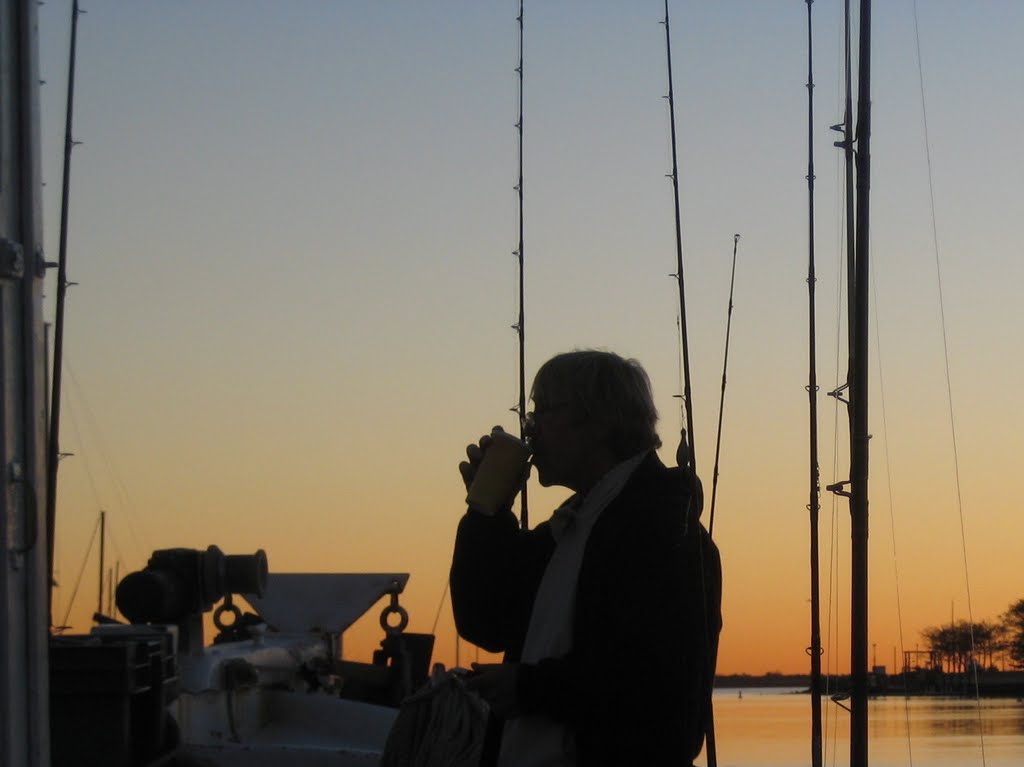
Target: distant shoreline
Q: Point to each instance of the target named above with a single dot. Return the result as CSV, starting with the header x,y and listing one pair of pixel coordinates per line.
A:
x,y
988,684
732,681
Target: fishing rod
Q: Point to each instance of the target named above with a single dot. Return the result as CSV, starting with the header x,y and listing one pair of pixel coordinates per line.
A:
x,y
721,402
709,722
674,175
814,503
53,456
520,326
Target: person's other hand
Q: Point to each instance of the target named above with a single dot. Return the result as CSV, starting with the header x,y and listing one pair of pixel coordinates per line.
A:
x,y
475,454
496,683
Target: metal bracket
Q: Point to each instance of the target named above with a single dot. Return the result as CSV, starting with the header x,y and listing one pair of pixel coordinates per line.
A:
x,y
838,699
838,393
394,609
837,488
16,475
12,259
42,264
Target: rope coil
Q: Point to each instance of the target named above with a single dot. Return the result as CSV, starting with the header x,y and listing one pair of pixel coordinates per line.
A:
x,y
441,725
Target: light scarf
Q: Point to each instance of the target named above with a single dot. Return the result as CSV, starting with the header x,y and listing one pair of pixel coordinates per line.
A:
x,y
532,741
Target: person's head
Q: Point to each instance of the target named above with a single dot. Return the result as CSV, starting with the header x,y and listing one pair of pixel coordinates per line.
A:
x,y
592,409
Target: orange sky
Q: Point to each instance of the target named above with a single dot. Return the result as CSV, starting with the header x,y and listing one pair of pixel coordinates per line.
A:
x,y
293,249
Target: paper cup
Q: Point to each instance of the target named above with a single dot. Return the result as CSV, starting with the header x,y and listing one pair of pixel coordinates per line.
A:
x,y
499,473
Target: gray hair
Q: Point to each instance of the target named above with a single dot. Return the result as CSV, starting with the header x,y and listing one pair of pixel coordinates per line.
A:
x,y
604,389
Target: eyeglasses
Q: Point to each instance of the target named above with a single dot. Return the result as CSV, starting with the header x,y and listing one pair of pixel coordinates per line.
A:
x,y
543,410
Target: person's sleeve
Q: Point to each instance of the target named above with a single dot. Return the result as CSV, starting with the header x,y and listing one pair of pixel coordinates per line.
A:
x,y
496,568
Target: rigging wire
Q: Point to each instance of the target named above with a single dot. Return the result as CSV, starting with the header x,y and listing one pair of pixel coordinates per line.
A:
x,y
833,564
85,458
849,236
139,536
892,520
81,572
831,611
945,352
440,605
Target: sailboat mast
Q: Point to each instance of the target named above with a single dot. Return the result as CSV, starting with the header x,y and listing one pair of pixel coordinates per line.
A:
x,y
111,602
814,505
53,447
520,326
103,552
859,409
687,398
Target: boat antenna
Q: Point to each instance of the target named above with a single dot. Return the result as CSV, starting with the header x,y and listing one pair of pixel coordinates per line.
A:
x,y
814,502
721,401
674,175
53,455
520,326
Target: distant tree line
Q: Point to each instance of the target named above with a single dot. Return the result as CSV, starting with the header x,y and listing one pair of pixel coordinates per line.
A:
x,y
959,645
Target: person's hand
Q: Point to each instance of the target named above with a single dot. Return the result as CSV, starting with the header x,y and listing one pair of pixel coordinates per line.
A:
x,y
496,683
488,499
475,454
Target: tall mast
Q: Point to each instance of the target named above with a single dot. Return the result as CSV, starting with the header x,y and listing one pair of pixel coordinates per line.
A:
x,y
684,339
857,229
813,504
103,552
53,447
520,326
859,409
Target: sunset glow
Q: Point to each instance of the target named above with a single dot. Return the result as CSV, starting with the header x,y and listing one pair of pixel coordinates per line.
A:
x,y
292,229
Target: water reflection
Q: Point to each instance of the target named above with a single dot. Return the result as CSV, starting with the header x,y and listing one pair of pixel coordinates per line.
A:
x,y
943,717
771,727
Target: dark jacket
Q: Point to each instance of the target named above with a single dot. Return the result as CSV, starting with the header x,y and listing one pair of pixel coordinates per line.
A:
x,y
636,686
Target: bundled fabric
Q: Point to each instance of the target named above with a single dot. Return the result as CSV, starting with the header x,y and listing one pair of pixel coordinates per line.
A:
x,y
441,725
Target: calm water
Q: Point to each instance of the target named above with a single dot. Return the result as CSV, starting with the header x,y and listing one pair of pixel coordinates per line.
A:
x,y
771,728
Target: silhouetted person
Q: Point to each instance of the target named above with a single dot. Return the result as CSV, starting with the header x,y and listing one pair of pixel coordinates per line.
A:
x,y
609,612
